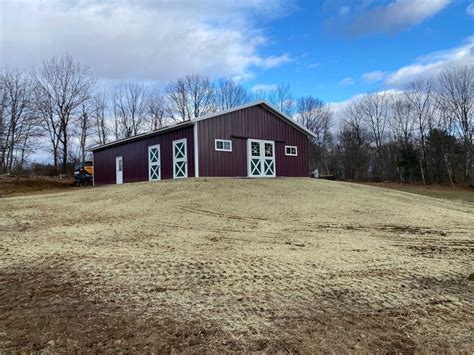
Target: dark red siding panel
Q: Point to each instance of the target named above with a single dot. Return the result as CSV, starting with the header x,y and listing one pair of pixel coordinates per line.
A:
x,y
135,157
252,122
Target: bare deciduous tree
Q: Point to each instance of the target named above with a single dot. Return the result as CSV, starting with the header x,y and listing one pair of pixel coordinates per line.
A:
x,y
230,94
18,122
315,115
64,86
3,105
402,121
44,110
83,128
420,96
99,117
354,143
130,108
190,97
156,108
456,97
282,98
374,110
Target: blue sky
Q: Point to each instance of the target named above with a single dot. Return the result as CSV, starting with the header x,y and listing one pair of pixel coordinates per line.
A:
x,y
324,53
332,49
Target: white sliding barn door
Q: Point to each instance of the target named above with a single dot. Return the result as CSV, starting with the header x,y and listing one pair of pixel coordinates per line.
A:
x,y
261,158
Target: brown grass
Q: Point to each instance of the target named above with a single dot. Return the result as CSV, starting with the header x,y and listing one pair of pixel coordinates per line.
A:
x,y
217,265
458,192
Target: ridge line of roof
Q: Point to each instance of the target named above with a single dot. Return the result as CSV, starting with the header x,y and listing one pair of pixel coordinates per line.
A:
x,y
205,117
256,103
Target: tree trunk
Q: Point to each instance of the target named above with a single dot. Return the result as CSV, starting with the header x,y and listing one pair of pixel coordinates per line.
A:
x,y
2,148
55,159
449,171
422,173
65,151
471,164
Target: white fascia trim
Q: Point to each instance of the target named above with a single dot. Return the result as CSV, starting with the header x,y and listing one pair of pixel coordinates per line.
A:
x,y
286,118
196,150
93,171
141,135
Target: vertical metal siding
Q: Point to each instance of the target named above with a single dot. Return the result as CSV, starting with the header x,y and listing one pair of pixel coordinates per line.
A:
x,y
252,122
135,157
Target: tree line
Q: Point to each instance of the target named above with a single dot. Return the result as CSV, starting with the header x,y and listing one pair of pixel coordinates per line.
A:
x,y
63,104
420,134
423,134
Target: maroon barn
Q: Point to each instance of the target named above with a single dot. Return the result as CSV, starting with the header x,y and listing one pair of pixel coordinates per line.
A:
x,y
253,140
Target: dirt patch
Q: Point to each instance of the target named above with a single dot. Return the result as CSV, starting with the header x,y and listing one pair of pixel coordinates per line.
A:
x,y
18,186
46,308
394,331
61,311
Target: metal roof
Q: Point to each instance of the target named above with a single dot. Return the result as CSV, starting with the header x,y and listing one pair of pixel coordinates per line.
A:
x,y
263,103
143,135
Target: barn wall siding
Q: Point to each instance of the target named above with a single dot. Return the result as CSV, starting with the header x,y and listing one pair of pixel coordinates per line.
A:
x,y
252,122
135,157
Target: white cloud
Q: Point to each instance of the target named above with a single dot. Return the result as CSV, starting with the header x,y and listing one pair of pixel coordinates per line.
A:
x,y
263,88
148,40
273,61
347,81
470,9
314,65
344,11
395,16
434,63
373,76
339,108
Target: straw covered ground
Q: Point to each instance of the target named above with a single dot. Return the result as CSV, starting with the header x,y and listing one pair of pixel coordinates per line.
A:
x,y
215,265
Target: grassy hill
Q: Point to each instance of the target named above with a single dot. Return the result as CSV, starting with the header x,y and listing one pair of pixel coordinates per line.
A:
x,y
236,265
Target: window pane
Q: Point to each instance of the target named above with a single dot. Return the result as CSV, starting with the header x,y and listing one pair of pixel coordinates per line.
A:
x,y
255,149
219,144
226,145
268,149
291,150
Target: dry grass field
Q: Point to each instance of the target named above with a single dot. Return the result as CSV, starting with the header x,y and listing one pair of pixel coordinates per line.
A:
x,y
219,265
462,193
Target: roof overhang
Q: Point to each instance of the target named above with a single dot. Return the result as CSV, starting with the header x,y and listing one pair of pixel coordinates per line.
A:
x,y
141,136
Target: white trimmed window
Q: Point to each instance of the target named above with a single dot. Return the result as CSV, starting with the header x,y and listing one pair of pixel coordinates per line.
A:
x,y
291,150
223,145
